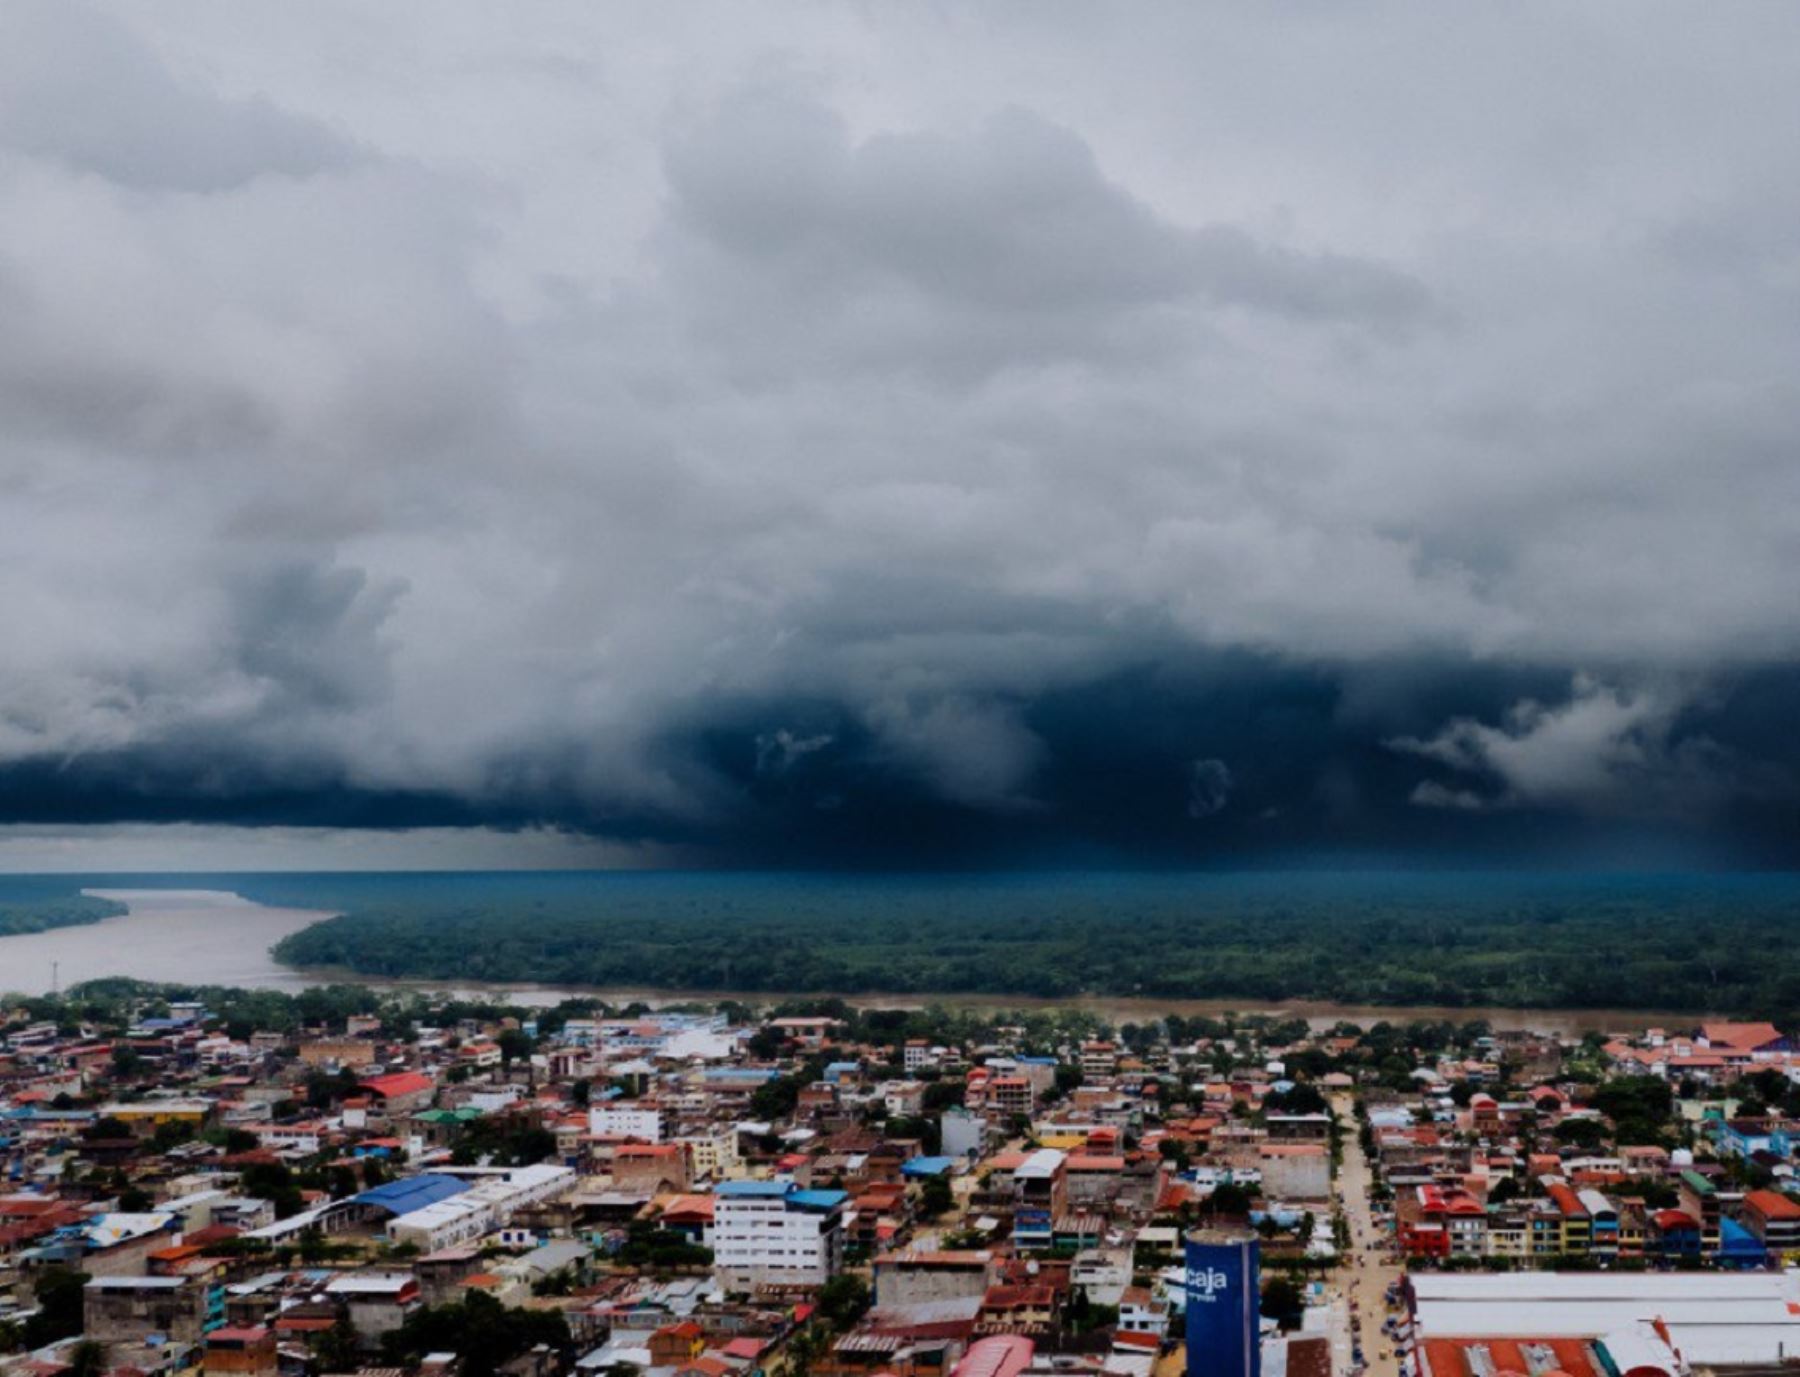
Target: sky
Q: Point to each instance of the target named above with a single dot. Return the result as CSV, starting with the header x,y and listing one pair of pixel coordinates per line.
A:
x,y
898,434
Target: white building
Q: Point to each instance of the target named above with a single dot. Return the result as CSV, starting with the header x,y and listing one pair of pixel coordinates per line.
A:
x,y
772,1233
481,1209
1713,1318
628,1121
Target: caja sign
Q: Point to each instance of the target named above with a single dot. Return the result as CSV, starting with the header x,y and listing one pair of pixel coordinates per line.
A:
x,y
1223,1300
1206,1284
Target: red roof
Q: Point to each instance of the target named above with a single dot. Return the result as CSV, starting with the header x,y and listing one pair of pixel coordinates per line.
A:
x,y
399,1083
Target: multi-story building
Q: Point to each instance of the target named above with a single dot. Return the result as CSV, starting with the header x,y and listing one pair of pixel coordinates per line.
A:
x,y
1010,1096
1700,1200
631,1120
775,1234
1040,1197
1774,1219
1603,1223
1099,1060
1577,1225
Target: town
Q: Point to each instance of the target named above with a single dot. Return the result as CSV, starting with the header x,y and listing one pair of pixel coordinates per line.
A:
x,y
343,1181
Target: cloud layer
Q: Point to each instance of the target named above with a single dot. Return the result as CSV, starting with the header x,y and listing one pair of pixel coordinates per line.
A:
x,y
900,435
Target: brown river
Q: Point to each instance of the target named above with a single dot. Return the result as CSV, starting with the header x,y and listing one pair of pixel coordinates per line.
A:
x,y
213,937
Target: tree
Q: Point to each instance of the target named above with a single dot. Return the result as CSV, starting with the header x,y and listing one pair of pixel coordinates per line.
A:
x,y
1586,1133
514,1044
936,1197
843,1299
1283,1301
59,1302
337,1349
484,1333
1228,1199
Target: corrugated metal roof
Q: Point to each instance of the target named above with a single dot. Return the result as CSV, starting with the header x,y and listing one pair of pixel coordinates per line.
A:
x,y
414,1193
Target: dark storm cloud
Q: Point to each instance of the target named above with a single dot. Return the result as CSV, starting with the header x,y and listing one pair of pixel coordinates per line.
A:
x,y
1225,435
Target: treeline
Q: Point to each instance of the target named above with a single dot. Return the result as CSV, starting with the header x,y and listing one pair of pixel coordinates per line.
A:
x,y
23,913
1533,942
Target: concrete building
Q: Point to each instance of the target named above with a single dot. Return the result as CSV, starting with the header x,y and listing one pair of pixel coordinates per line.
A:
x,y
127,1310
775,1234
375,1302
914,1277
1295,1171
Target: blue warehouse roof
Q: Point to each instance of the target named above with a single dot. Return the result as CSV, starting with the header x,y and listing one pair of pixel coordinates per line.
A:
x,y
414,1193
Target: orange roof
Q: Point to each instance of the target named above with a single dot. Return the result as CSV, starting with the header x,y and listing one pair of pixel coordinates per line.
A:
x,y
1773,1205
1095,1162
1450,1357
1741,1037
699,1205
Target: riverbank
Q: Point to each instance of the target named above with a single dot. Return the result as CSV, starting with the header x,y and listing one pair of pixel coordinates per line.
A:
x,y
216,937
192,936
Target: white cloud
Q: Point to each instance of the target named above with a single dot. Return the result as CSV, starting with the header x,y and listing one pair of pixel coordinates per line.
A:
x,y
1604,748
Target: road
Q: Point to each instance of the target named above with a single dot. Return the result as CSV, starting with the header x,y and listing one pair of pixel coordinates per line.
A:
x,y
1362,1277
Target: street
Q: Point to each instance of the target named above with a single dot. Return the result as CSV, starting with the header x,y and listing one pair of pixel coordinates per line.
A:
x,y
1362,1278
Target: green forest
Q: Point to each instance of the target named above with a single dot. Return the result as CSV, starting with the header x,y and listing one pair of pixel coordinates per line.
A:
x,y
1582,942
31,912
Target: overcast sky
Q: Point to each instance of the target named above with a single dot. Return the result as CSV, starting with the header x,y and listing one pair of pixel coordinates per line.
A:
x,y
910,433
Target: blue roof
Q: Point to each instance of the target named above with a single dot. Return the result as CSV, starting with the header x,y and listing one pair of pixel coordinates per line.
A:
x,y
1735,1241
414,1193
742,1073
928,1166
818,1200
754,1190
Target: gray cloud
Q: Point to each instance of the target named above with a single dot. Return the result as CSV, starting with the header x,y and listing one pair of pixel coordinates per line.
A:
x,y
395,400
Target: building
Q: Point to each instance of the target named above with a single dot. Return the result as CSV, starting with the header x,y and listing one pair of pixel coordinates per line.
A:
x,y
241,1352
1295,1171
1011,1096
128,1310
627,1121
775,1234
1040,1197
1712,1318
914,1277
1774,1220
1700,1199
375,1302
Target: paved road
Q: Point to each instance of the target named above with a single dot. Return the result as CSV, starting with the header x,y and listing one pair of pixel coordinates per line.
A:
x,y
1363,1277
